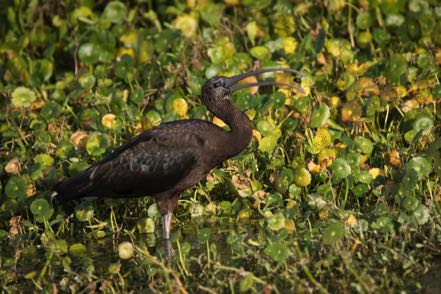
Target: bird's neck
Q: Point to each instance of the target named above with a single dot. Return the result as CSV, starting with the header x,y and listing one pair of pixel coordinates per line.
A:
x,y
237,139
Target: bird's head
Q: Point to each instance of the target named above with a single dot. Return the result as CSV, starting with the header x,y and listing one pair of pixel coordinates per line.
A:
x,y
219,88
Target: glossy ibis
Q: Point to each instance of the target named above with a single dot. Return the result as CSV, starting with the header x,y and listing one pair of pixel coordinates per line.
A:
x,y
164,161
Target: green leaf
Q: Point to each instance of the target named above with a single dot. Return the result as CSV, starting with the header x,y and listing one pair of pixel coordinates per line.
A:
x,y
45,69
363,21
78,250
421,165
251,29
84,213
260,52
277,251
364,145
153,211
44,160
265,127
423,122
397,67
89,53
341,168
409,180
76,167
333,233
87,81
23,97
60,246
115,12
320,116
421,214
216,55
247,283
146,225
16,187
384,224
96,144
284,179
363,177
39,207
267,144
204,235
276,222
410,202
51,111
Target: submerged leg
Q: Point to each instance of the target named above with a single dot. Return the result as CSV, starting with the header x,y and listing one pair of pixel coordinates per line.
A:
x,y
167,206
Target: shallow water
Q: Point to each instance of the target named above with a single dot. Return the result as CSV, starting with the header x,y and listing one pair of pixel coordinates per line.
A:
x,y
431,281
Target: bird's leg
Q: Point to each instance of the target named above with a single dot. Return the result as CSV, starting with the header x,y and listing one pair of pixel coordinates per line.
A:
x,y
166,222
167,204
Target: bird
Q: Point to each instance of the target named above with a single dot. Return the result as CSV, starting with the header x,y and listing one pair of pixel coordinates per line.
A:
x,y
172,157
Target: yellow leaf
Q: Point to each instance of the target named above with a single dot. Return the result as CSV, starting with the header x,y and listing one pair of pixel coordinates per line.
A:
x,y
335,101
289,45
108,120
321,139
324,214
394,158
217,121
374,172
13,166
352,220
79,139
289,225
314,168
130,40
250,80
125,51
180,106
187,24
327,156
257,135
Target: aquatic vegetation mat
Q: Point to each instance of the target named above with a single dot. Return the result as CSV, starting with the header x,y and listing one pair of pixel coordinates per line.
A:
x,y
339,189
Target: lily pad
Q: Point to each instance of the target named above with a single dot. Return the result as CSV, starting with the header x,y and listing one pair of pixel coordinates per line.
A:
x,y
421,214
78,250
277,251
276,222
115,12
421,165
96,144
260,52
23,97
204,235
302,177
333,233
422,122
320,116
16,187
341,168
267,144
39,207
364,145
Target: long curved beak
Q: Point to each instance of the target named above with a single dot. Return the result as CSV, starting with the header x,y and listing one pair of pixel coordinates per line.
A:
x,y
230,82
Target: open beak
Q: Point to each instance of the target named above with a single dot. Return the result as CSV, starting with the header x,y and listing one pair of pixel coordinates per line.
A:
x,y
230,82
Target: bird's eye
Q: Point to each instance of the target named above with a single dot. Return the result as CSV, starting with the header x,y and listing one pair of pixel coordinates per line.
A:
x,y
217,84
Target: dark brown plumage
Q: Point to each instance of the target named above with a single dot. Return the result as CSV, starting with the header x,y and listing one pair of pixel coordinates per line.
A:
x,y
164,161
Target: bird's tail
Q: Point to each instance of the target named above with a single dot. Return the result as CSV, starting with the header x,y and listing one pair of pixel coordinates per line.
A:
x,y
72,188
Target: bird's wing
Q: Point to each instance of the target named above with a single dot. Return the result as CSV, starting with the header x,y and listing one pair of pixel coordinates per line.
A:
x,y
149,163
